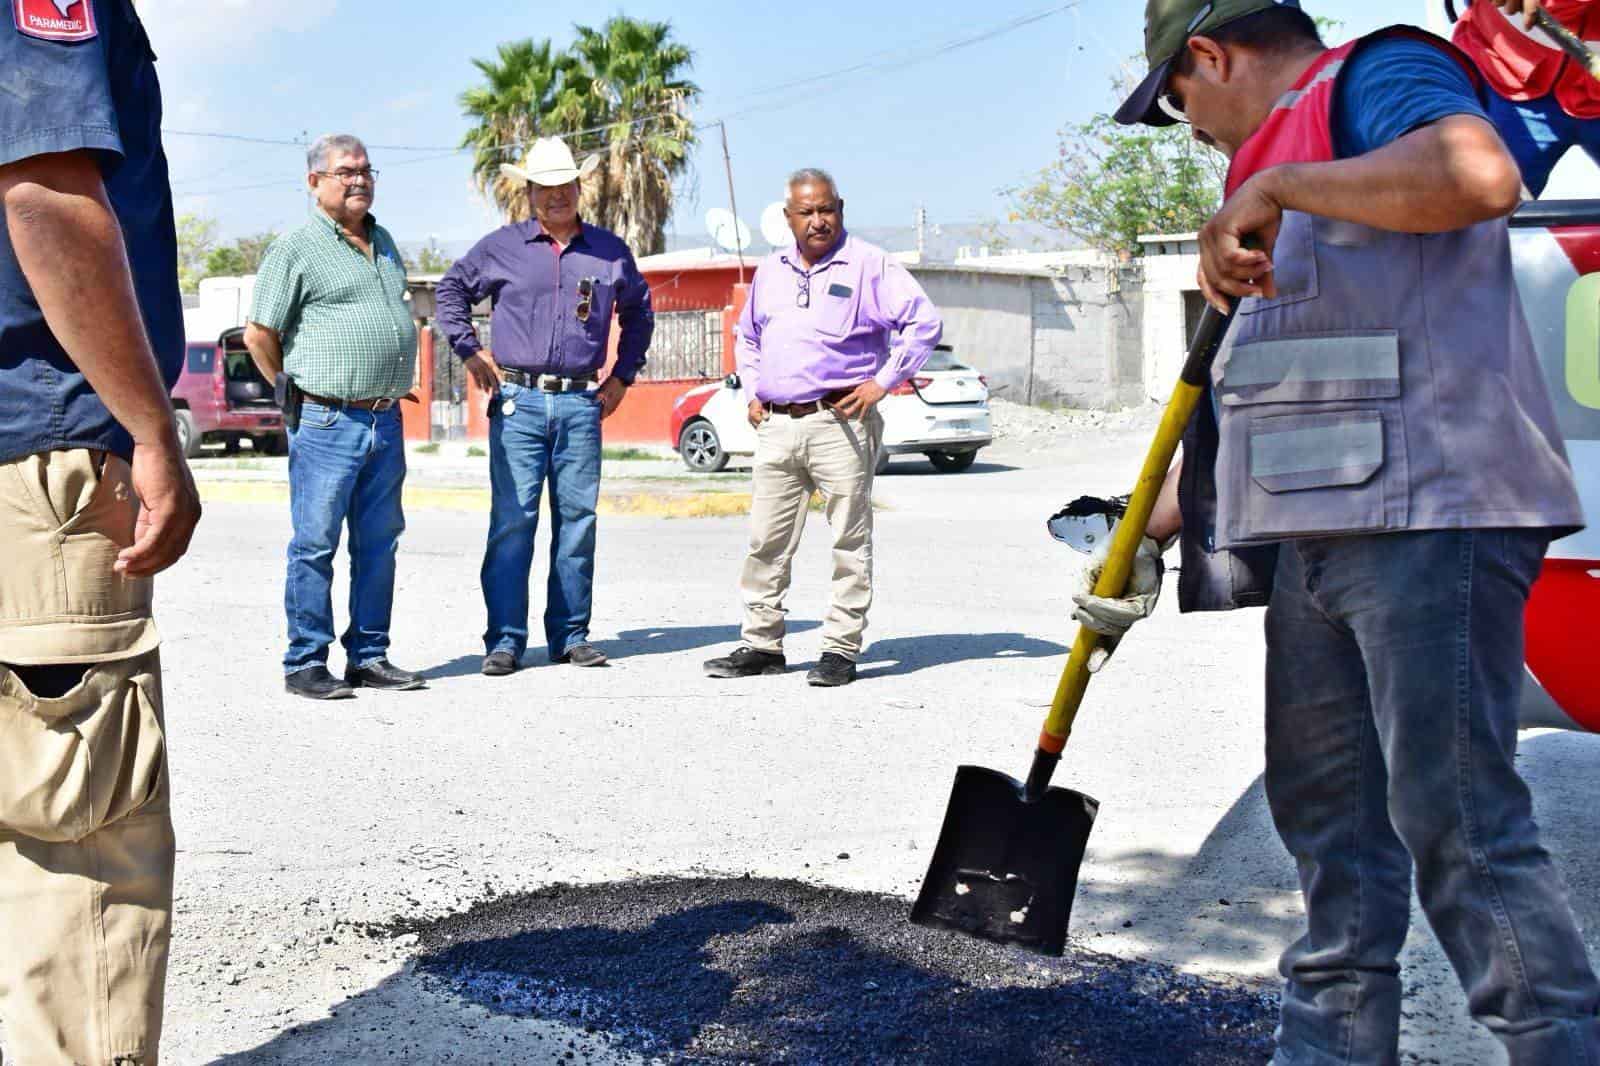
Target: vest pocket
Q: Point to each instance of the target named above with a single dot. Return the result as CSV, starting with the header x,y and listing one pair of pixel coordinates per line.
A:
x,y
1320,473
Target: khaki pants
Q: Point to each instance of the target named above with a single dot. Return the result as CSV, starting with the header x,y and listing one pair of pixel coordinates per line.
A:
x,y
86,844
795,456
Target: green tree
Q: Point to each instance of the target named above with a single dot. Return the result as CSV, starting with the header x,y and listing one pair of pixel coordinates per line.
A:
x,y
430,259
631,72
241,257
1111,184
522,99
197,237
624,84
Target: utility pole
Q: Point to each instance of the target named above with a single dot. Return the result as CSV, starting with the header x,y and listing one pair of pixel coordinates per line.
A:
x,y
922,232
733,205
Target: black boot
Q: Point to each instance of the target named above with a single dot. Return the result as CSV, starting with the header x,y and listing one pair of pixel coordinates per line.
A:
x,y
315,683
745,662
831,671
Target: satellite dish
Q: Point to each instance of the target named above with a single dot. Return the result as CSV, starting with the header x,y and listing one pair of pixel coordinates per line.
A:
x,y
775,226
728,232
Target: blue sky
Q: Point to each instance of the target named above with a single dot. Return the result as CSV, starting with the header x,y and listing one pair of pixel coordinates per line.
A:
x,y
905,127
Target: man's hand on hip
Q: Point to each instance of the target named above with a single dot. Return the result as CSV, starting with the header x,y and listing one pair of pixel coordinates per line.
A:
x,y
169,508
861,399
1227,266
611,393
757,413
483,370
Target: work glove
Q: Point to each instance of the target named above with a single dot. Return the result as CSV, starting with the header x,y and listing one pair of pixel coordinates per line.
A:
x,y
1112,618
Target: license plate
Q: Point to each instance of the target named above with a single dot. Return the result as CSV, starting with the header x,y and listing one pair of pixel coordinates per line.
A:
x,y
963,425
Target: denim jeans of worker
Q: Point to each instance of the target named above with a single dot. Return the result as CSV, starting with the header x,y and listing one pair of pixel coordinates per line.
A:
x,y
1539,133
554,437
345,464
1394,664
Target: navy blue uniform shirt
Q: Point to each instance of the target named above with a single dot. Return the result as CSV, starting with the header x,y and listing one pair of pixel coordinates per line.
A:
x,y
1392,87
537,296
97,93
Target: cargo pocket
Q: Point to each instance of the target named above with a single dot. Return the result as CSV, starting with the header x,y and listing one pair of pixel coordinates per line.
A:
x,y
1315,433
93,756
1323,473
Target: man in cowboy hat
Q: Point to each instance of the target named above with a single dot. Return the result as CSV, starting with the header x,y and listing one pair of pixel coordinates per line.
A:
x,y
1381,466
555,282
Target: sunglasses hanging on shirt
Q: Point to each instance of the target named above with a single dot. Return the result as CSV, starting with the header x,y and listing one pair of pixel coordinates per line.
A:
x,y
585,297
802,292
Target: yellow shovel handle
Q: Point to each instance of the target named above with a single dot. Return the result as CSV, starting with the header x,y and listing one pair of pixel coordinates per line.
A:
x,y
1114,574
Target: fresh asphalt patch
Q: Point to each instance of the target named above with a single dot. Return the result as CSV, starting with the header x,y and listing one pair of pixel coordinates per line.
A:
x,y
750,970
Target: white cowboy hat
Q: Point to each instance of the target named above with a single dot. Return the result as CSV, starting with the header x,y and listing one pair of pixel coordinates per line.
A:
x,y
550,162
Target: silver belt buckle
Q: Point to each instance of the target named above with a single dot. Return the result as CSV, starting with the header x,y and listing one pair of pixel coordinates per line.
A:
x,y
384,404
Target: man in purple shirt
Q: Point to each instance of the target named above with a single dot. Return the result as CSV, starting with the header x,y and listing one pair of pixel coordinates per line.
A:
x,y
815,353
554,282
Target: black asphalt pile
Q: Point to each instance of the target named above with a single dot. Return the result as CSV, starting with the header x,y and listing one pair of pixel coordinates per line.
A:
x,y
763,971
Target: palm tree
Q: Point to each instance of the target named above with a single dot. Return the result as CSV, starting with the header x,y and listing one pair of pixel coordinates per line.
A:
x,y
630,74
522,100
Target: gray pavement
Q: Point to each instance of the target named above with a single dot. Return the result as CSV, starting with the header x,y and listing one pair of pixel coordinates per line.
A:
x,y
300,821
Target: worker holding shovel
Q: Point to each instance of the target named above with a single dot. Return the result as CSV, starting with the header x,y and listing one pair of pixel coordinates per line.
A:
x,y
1379,458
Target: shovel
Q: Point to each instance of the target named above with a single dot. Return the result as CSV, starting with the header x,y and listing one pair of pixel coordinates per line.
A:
x,y
1006,865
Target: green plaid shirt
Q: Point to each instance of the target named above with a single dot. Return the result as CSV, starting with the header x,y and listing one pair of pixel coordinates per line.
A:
x,y
346,327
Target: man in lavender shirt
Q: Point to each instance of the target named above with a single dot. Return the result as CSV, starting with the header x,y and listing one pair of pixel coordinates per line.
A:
x,y
814,352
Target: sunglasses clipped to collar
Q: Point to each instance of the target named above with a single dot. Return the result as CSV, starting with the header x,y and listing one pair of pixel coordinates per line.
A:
x,y
586,297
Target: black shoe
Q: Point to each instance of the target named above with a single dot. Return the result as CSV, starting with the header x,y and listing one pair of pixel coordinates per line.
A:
x,y
315,683
381,673
584,654
499,664
831,671
746,662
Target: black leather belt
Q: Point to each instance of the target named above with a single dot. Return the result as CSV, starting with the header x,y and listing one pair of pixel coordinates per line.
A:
x,y
381,403
810,407
544,382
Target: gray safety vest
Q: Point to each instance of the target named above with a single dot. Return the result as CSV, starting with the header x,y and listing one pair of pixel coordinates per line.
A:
x,y
1391,385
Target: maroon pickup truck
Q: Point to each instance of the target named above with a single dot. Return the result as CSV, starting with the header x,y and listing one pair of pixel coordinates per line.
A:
x,y
221,396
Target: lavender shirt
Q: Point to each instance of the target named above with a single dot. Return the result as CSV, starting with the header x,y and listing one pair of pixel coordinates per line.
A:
x,y
858,296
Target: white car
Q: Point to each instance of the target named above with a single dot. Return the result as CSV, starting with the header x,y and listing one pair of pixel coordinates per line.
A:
x,y
942,412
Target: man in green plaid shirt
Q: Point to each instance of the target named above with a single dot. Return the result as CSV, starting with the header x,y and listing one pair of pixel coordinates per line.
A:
x,y
330,311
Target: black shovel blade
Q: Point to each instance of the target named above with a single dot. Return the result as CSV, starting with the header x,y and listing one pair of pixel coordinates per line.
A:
x,y
1005,869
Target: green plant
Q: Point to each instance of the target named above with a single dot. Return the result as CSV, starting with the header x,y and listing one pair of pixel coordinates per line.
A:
x,y
475,452
431,448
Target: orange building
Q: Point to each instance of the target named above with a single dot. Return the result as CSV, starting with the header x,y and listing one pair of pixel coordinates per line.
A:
x,y
697,299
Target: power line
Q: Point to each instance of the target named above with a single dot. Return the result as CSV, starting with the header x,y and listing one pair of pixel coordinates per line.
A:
x,y
869,64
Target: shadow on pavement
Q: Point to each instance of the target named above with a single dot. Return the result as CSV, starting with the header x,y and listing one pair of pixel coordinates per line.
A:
x,y
907,655
664,640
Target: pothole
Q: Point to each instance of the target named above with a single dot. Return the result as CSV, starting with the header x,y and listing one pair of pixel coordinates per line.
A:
x,y
767,971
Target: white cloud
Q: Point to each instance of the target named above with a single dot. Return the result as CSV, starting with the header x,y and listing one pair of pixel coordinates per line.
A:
x,y
205,30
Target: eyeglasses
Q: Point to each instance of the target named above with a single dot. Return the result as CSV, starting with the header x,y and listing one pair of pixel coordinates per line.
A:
x,y
802,292
585,297
1171,103
347,176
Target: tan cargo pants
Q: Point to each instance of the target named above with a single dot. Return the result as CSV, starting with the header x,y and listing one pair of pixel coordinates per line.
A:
x,y
837,457
86,844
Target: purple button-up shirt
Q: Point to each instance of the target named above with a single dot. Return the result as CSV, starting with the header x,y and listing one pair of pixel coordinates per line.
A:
x,y
535,295
806,333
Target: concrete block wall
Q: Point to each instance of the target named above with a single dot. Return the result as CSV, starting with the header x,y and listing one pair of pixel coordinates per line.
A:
x,y
1066,336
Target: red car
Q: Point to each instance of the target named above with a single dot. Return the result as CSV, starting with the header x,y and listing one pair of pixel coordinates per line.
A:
x,y
221,396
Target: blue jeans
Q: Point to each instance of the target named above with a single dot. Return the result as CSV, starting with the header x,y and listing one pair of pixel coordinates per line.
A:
x,y
1539,133
552,436
343,464
1394,664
